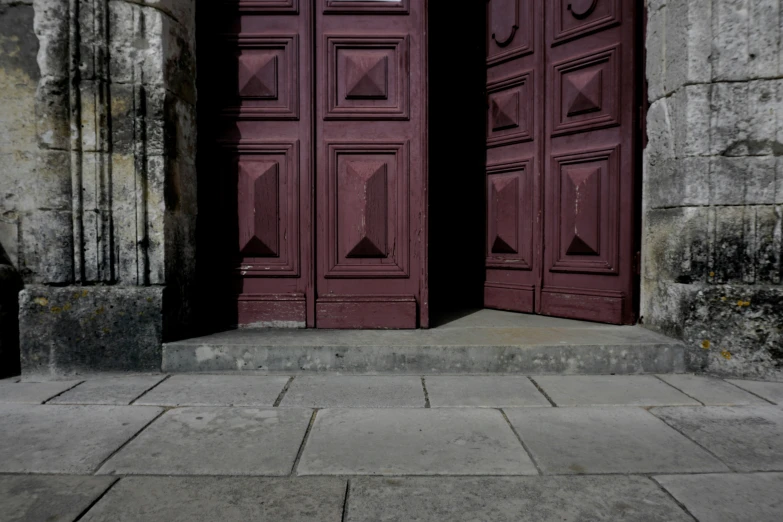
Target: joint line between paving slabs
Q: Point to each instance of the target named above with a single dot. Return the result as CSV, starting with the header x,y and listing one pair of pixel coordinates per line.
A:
x,y
113,453
649,410
94,502
542,392
64,391
752,393
145,392
283,392
345,501
524,446
668,494
679,390
426,393
304,441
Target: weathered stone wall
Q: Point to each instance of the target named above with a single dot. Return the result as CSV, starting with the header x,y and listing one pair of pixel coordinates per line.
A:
x,y
101,190
713,182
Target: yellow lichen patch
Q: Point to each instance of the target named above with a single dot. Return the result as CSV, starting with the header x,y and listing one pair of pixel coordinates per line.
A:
x,y
723,298
84,293
726,354
742,303
66,307
56,309
712,274
100,310
705,344
41,301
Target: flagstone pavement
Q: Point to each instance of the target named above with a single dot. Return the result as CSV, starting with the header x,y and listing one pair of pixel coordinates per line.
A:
x,y
327,447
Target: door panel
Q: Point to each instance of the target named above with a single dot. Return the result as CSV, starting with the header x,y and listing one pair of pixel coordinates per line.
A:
x,y
265,134
370,174
560,158
589,184
514,151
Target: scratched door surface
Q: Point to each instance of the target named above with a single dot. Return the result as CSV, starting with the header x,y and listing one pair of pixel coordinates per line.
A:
x,y
567,249
370,164
266,138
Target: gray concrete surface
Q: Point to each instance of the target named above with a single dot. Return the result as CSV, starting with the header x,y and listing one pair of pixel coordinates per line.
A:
x,y
215,390
609,390
746,438
226,499
729,498
606,440
12,391
65,439
771,391
488,391
119,390
215,441
510,499
320,391
413,442
48,498
485,342
711,391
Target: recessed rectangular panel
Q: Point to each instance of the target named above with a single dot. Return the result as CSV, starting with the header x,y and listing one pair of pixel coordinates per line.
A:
x,y
586,225
575,18
366,312
264,6
510,29
510,112
367,210
511,297
262,82
366,78
587,92
272,310
366,7
267,207
510,216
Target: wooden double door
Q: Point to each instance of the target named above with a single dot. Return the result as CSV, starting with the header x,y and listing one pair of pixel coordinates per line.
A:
x,y
323,134
562,131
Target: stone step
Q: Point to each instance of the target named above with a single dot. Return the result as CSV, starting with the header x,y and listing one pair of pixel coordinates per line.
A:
x,y
483,342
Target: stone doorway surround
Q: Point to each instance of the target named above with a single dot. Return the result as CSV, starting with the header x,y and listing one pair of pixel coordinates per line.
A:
x,y
99,200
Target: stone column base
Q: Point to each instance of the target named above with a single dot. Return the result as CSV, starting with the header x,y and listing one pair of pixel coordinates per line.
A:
x,y
74,329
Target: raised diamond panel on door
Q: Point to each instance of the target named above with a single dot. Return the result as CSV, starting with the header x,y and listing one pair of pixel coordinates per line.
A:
x,y
511,110
265,74
367,212
371,154
366,78
510,216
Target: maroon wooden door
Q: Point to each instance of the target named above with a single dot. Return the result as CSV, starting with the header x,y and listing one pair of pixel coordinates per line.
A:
x,y
370,164
578,222
266,134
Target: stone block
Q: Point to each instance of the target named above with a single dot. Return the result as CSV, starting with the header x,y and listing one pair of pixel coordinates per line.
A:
x,y
677,245
72,328
728,497
729,126
33,392
747,438
115,390
229,499
660,133
677,182
610,390
688,43
730,261
47,246
215,390
767,246
65,439
771,391
215,441
568,441
692,120
315,391
415,442
52,113
510,499
51,27
763,118
736,55
51,498
483,391
655,44
710,391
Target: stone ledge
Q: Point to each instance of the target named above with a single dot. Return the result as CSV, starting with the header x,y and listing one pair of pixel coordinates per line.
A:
x,y
87,328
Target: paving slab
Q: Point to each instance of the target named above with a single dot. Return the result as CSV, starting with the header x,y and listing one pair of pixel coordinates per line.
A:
x,y
65,439
215,441
772,391
747,438
483,391
119,390
216,390
611,390
510,499
606,440
344,391
37,498
227,499
413,442
32,392
711,391
729,497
